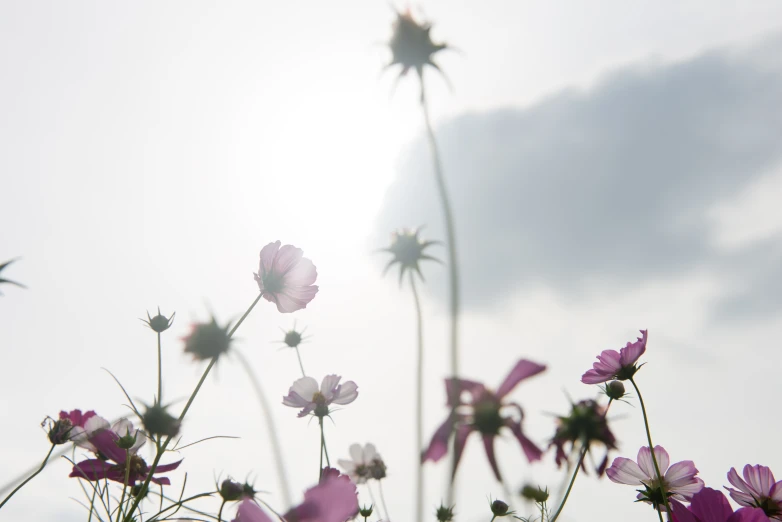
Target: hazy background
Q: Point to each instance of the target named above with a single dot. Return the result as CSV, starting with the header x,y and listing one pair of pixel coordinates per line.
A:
x,y
614,166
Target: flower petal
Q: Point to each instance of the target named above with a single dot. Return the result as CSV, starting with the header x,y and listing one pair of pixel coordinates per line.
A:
x,y
164,468
532,452
306,388
473,388
329,386
356,453
438,447
709,505
521,371
91,469
682,514
681,473
749,515
462,432
268,253
370,453
303,274
625,471
346,393
630,353
488,445
249,511
287,257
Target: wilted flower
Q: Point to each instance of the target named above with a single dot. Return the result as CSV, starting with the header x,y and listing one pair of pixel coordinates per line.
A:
x,y
679,481
2,280
364,463
408,250
709,505
616,365
160,323
157,421
482,412
285,277
207,340
757,489
411,44
305,394
585,424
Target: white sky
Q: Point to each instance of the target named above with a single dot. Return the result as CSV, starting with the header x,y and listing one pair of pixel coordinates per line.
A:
x,y
149,150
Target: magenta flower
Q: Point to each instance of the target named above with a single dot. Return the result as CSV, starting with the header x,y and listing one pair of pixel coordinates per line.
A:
x,y
285,277
679,481
68,426
709,505
585,425
305,394
616,365
117,448
757,489
482,412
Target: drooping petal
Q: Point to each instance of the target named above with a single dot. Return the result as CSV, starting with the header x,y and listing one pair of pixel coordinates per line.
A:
x,y
346,393
91,469
164,468
488,445
249,511
438,447
625,471
532,452
521,371
460,440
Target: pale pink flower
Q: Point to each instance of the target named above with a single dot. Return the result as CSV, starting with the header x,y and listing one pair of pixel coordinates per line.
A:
x,y
305,394
249,511
364,463
709,505
334,499
285,278
679,480
616,365
757,489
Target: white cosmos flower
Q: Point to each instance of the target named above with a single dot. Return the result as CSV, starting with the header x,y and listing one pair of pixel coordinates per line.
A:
x,y
358,467
306,394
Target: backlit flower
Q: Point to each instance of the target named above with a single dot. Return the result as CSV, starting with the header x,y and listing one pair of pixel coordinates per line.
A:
x,y
305,394
709,505
67,426
408,250
585,425
207,340
364,463
411,44
482,411
616,365
679,481
285,277
757,489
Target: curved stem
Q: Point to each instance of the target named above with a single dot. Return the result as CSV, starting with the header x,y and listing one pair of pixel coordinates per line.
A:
x,y
453,270
162,450
300,364
28,479
419,408
276,449
651,450
159,371
220,513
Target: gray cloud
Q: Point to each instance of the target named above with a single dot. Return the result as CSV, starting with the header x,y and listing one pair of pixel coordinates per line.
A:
x,y
611,183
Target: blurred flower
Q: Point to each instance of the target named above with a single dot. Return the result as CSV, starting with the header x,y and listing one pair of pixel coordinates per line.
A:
x,y
249,511
2,280
293,338
305,394
113,461
160,323
616,365
709,505
157,421
364,463
444,514
207,340
67,426
499,508
408,250
286,278
482,412
679,481
757,489
334,499
411,44
585,424
535,494
231,490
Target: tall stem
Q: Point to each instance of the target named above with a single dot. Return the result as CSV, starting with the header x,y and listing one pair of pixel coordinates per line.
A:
x,y
159,371
162,450
272,430
300,363
452,266
651,450
322,446
419,406
383,500
28,479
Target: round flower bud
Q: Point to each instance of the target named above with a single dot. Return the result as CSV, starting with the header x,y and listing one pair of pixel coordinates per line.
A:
x,y
615,390
128,440
207,340
534,493
231,490
444,514
499,508
160,323
292,338
366,511
158,421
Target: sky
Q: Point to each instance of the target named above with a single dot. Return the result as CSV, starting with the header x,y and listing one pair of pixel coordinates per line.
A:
x,y
613,167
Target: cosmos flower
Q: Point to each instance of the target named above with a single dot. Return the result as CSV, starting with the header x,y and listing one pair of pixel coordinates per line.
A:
x,y
585,425
285,278
679,481
68,425
408,250
482,412
757,489
207,340
305,394
411,44
616,365
116,447
709,505
364,463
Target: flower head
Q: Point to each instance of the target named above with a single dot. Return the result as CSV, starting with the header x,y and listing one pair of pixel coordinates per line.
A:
x,y
757,489
482,411
616,365
305,394
679,481
411,44
3,280
365,463
285,278
160,323
585,424
709,505
334,499
408,250
157,421
207,340
500,508
444,513
535,493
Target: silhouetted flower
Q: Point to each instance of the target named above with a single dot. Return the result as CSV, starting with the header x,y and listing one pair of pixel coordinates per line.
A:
x,y
616,365
408,250
585,425
207,340
157,421
160,323
285,277
411,44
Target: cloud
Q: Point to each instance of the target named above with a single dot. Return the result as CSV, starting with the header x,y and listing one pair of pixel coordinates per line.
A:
x,y
617,183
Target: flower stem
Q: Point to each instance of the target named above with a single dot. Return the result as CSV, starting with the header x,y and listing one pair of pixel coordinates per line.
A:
x,y
220,513
28,479
383,500
651,450
159,371
419,407
127,478
322,446
453,270
267,413
300,364
162,450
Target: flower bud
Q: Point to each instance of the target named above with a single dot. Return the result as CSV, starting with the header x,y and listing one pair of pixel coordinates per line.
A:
x,y
60,431
615,390
160,323
231,490
366,511
377,469
128,440
534,493
207,340
499,508
158,421
444,514
292,338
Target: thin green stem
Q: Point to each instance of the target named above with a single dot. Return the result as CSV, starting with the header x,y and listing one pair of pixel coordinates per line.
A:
x,y
28,479
159,371
453,270
419,406
374,502
272,430
162,450
383,500
300,363
492,518
323,441
322,445
125,483
220,513
651,450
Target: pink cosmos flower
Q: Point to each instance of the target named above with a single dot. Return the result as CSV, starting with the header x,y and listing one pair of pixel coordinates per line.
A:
x,y
616,365
285,277
68,426
305,394
482,412
679,481
113,461
709,505
757,489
